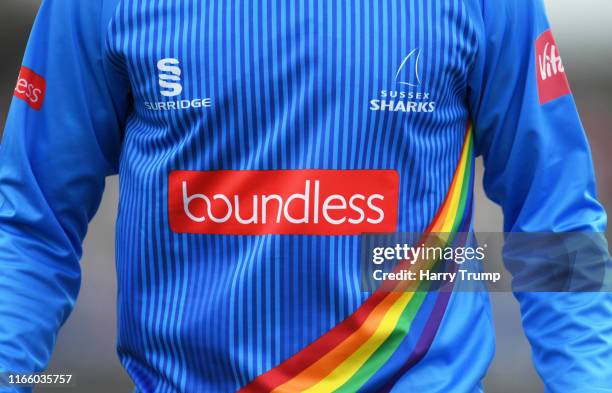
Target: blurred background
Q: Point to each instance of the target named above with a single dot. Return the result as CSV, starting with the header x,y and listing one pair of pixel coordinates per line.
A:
x,y
86,344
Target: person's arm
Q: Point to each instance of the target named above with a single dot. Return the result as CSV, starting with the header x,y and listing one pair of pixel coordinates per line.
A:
x,y
538,167
62,138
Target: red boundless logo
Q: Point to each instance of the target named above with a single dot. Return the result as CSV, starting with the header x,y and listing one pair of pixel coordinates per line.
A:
x,y
30,88
315,202
552,80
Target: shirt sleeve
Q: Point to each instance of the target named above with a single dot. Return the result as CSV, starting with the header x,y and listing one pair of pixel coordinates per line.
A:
x,y
62,138
538,167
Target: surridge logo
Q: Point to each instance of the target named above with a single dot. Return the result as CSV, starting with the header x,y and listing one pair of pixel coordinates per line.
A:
x,y
550,72
407,96
170,86
169,77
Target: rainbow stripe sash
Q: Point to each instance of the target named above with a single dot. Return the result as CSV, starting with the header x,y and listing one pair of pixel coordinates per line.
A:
x,y
390,332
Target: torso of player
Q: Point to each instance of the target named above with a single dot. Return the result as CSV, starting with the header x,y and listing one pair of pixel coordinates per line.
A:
x,y
297,86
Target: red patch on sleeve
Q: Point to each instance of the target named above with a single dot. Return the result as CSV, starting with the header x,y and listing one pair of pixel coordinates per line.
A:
x,y
552,80
30,88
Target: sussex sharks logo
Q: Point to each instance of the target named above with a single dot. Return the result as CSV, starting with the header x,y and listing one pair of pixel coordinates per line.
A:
x,y
407,93
410,66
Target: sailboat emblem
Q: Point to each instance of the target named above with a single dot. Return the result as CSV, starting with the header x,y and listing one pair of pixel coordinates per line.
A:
x,y
411,63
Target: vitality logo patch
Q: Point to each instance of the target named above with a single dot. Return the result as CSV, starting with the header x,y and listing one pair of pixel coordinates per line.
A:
x,y
552,80
315,202
30,88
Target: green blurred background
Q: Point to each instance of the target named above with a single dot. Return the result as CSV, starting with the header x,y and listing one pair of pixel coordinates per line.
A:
x,y
86,344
